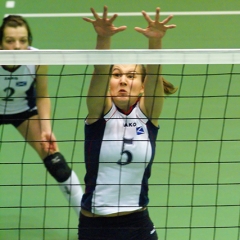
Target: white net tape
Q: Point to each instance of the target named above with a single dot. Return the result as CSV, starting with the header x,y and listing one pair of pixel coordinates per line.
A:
x,y
91,57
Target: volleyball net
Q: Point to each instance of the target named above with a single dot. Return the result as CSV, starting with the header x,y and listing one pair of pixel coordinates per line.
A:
x,y
195,183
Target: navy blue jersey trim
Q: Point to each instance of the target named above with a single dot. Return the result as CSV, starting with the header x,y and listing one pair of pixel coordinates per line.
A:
x,y
93,141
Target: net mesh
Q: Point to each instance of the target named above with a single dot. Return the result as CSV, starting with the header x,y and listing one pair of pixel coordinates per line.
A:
x,y
195,182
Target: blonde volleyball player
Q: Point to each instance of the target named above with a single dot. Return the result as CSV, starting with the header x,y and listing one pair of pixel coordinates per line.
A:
x,y
120,133
24,103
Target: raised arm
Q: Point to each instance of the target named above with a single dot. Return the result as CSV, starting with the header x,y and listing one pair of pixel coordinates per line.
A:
x,y
152,101
98,88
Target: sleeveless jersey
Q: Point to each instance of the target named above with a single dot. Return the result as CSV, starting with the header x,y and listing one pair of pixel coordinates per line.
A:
x,y
119,151
17,92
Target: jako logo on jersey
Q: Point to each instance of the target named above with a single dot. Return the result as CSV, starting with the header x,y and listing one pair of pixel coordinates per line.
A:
x,y
139,130
11,78
21,84
130,124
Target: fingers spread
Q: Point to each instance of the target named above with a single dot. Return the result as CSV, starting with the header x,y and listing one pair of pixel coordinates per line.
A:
x,y
148,19
94,13
88,20
157,14
120,29
140,30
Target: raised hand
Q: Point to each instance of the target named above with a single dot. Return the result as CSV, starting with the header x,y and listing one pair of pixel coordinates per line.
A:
x,y
155,28
104,26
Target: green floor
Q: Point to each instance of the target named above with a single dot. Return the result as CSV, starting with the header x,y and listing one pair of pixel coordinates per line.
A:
x,y
195,190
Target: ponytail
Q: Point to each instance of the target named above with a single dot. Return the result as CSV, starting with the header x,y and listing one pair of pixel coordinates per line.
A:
x,y
168,87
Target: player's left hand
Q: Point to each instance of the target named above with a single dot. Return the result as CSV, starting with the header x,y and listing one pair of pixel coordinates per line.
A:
x,y
155,29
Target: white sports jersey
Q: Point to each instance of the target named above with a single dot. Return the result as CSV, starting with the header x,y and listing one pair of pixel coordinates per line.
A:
x,y
119,150
17,91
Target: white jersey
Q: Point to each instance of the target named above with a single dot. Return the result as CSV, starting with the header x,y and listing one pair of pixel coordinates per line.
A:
x,y
119,150
17,92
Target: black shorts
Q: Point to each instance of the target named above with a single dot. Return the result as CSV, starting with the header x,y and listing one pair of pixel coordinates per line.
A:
x,y
135,226
18,118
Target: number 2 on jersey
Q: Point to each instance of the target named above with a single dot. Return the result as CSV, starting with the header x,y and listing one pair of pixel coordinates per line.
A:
x,y
9,93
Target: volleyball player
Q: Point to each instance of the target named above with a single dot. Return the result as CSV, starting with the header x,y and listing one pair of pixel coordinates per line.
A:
x,y
25,104
120,133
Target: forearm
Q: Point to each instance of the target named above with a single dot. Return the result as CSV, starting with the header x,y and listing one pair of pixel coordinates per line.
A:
x,y
99,82
103,43
154,81
102,71
154,43
154,85
44,108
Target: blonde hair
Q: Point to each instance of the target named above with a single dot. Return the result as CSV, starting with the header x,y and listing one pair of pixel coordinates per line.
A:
x,y
168,87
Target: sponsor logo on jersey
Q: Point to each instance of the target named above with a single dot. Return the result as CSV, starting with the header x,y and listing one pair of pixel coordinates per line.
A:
x,y
21,84
140,130
11,78
131,124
